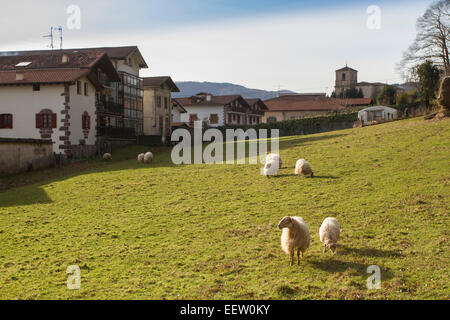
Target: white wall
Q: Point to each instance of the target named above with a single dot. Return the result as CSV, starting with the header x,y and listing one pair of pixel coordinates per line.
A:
x,y
78,105
24,103
134,69
205,112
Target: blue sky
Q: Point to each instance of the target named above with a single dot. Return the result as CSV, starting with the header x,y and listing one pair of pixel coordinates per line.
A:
x,y
264,44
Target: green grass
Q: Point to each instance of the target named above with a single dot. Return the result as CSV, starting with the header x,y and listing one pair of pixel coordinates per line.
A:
x,y
209,231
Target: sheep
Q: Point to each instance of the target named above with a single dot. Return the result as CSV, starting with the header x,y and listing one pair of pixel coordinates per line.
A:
x,y
148,157
329,234
303,167
271,168
295,236
140,158
274,157
107,157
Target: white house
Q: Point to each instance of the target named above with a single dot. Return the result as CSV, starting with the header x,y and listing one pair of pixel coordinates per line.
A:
x,y
378,113
72,97
216,111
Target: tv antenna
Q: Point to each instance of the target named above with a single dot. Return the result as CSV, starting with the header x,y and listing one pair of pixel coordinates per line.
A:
x,y
51,35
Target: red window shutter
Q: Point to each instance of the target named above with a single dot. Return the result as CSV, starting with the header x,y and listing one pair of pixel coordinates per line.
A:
x,y
53,120
11,123
38,121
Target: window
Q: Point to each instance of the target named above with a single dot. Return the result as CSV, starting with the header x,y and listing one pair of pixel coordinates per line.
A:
x,y
79,87
230,118
46,120
165,103
343,76
86,121
158,101
36,87
86,89
6,121
271,119
214,119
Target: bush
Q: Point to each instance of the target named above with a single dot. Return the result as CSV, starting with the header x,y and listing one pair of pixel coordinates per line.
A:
x,y
312,125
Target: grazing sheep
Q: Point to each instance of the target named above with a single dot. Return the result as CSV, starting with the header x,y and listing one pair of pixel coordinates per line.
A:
x,y
148,157
107,157
304,167
275,157
140,158
329,234
271,168
295,236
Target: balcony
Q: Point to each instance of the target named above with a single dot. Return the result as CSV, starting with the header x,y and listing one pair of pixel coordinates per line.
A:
x,y
236,109
117,133
256,112
110,108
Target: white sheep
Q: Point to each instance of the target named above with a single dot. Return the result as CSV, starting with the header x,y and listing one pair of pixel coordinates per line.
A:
x,y
275,157
295,236
329,234
304,167
271,168
140,158
148,157
107,157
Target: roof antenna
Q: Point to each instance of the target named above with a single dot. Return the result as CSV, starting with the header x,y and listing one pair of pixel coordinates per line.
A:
x,y
51,36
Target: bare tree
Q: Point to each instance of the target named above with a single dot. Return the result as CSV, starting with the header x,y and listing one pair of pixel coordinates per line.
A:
x,y
431,43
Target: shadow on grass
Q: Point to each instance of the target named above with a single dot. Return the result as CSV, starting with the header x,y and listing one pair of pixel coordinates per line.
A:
x,y
297,140
29,196
31,183
369,252
357,268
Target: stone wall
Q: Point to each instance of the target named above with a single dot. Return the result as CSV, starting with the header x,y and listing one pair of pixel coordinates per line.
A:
x,y
19,155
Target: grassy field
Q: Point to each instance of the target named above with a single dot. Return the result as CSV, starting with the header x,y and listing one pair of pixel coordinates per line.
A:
x,y
209,231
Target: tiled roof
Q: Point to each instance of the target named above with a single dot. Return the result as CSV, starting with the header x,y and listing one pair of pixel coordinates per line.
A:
x,y
49,59
347,69
202,101
252,102
43,76
354,101
363,84
316,104
159,81
47,66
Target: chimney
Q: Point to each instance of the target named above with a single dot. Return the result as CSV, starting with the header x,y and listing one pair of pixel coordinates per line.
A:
x,y
19,76
65,58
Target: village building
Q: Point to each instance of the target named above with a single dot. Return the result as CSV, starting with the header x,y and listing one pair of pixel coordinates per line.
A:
x,y
295,107
177,112
347,78
256,112
215,111
377,114
76,98
158,105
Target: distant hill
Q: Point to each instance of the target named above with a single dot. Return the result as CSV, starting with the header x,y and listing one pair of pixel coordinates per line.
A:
x,y
190,88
